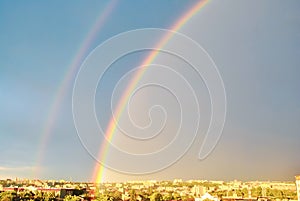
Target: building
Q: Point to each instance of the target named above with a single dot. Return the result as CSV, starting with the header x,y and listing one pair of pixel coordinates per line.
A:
x,y
207,196
198,191
298,186
71,191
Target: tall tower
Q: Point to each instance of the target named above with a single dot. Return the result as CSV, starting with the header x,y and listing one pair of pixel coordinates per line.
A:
x,y
298,186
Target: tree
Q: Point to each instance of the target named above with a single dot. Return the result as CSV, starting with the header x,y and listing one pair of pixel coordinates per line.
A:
x,y
176,196
187,197
6,196
72,198
132,195
156,197
49,196
245,192
117,195
256,192
167,196
102,197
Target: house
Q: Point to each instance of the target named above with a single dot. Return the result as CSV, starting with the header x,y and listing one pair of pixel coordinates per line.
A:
x,y
207,196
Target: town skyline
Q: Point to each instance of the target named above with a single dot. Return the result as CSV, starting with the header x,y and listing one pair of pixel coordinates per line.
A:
x,y
149,180
181,89
177,189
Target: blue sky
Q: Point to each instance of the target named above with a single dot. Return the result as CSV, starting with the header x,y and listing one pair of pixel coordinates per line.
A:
x,y
254,44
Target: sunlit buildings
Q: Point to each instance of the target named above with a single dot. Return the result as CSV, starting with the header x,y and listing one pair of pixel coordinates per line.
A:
x,y
298,186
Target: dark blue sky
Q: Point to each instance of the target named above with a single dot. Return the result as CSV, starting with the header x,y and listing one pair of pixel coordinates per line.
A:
x,y
255,45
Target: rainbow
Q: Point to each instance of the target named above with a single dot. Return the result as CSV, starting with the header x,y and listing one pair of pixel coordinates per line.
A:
x,y
68,80
98,174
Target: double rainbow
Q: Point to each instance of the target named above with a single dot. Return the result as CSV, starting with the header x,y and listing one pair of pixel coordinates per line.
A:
x,y
98,174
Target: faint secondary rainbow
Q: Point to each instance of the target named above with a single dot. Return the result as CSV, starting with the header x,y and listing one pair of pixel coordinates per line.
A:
x,y
98,174
66,83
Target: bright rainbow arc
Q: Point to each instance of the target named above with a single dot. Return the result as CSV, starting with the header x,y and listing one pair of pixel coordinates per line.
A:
x,y
67,81
98,174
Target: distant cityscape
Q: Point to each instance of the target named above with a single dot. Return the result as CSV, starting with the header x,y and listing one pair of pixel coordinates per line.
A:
x,y
150,190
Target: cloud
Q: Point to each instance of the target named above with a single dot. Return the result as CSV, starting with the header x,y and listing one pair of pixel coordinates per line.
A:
x,y
18,169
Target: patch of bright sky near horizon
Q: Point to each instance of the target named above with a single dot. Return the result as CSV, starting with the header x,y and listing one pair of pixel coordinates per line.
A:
x,y
255,45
